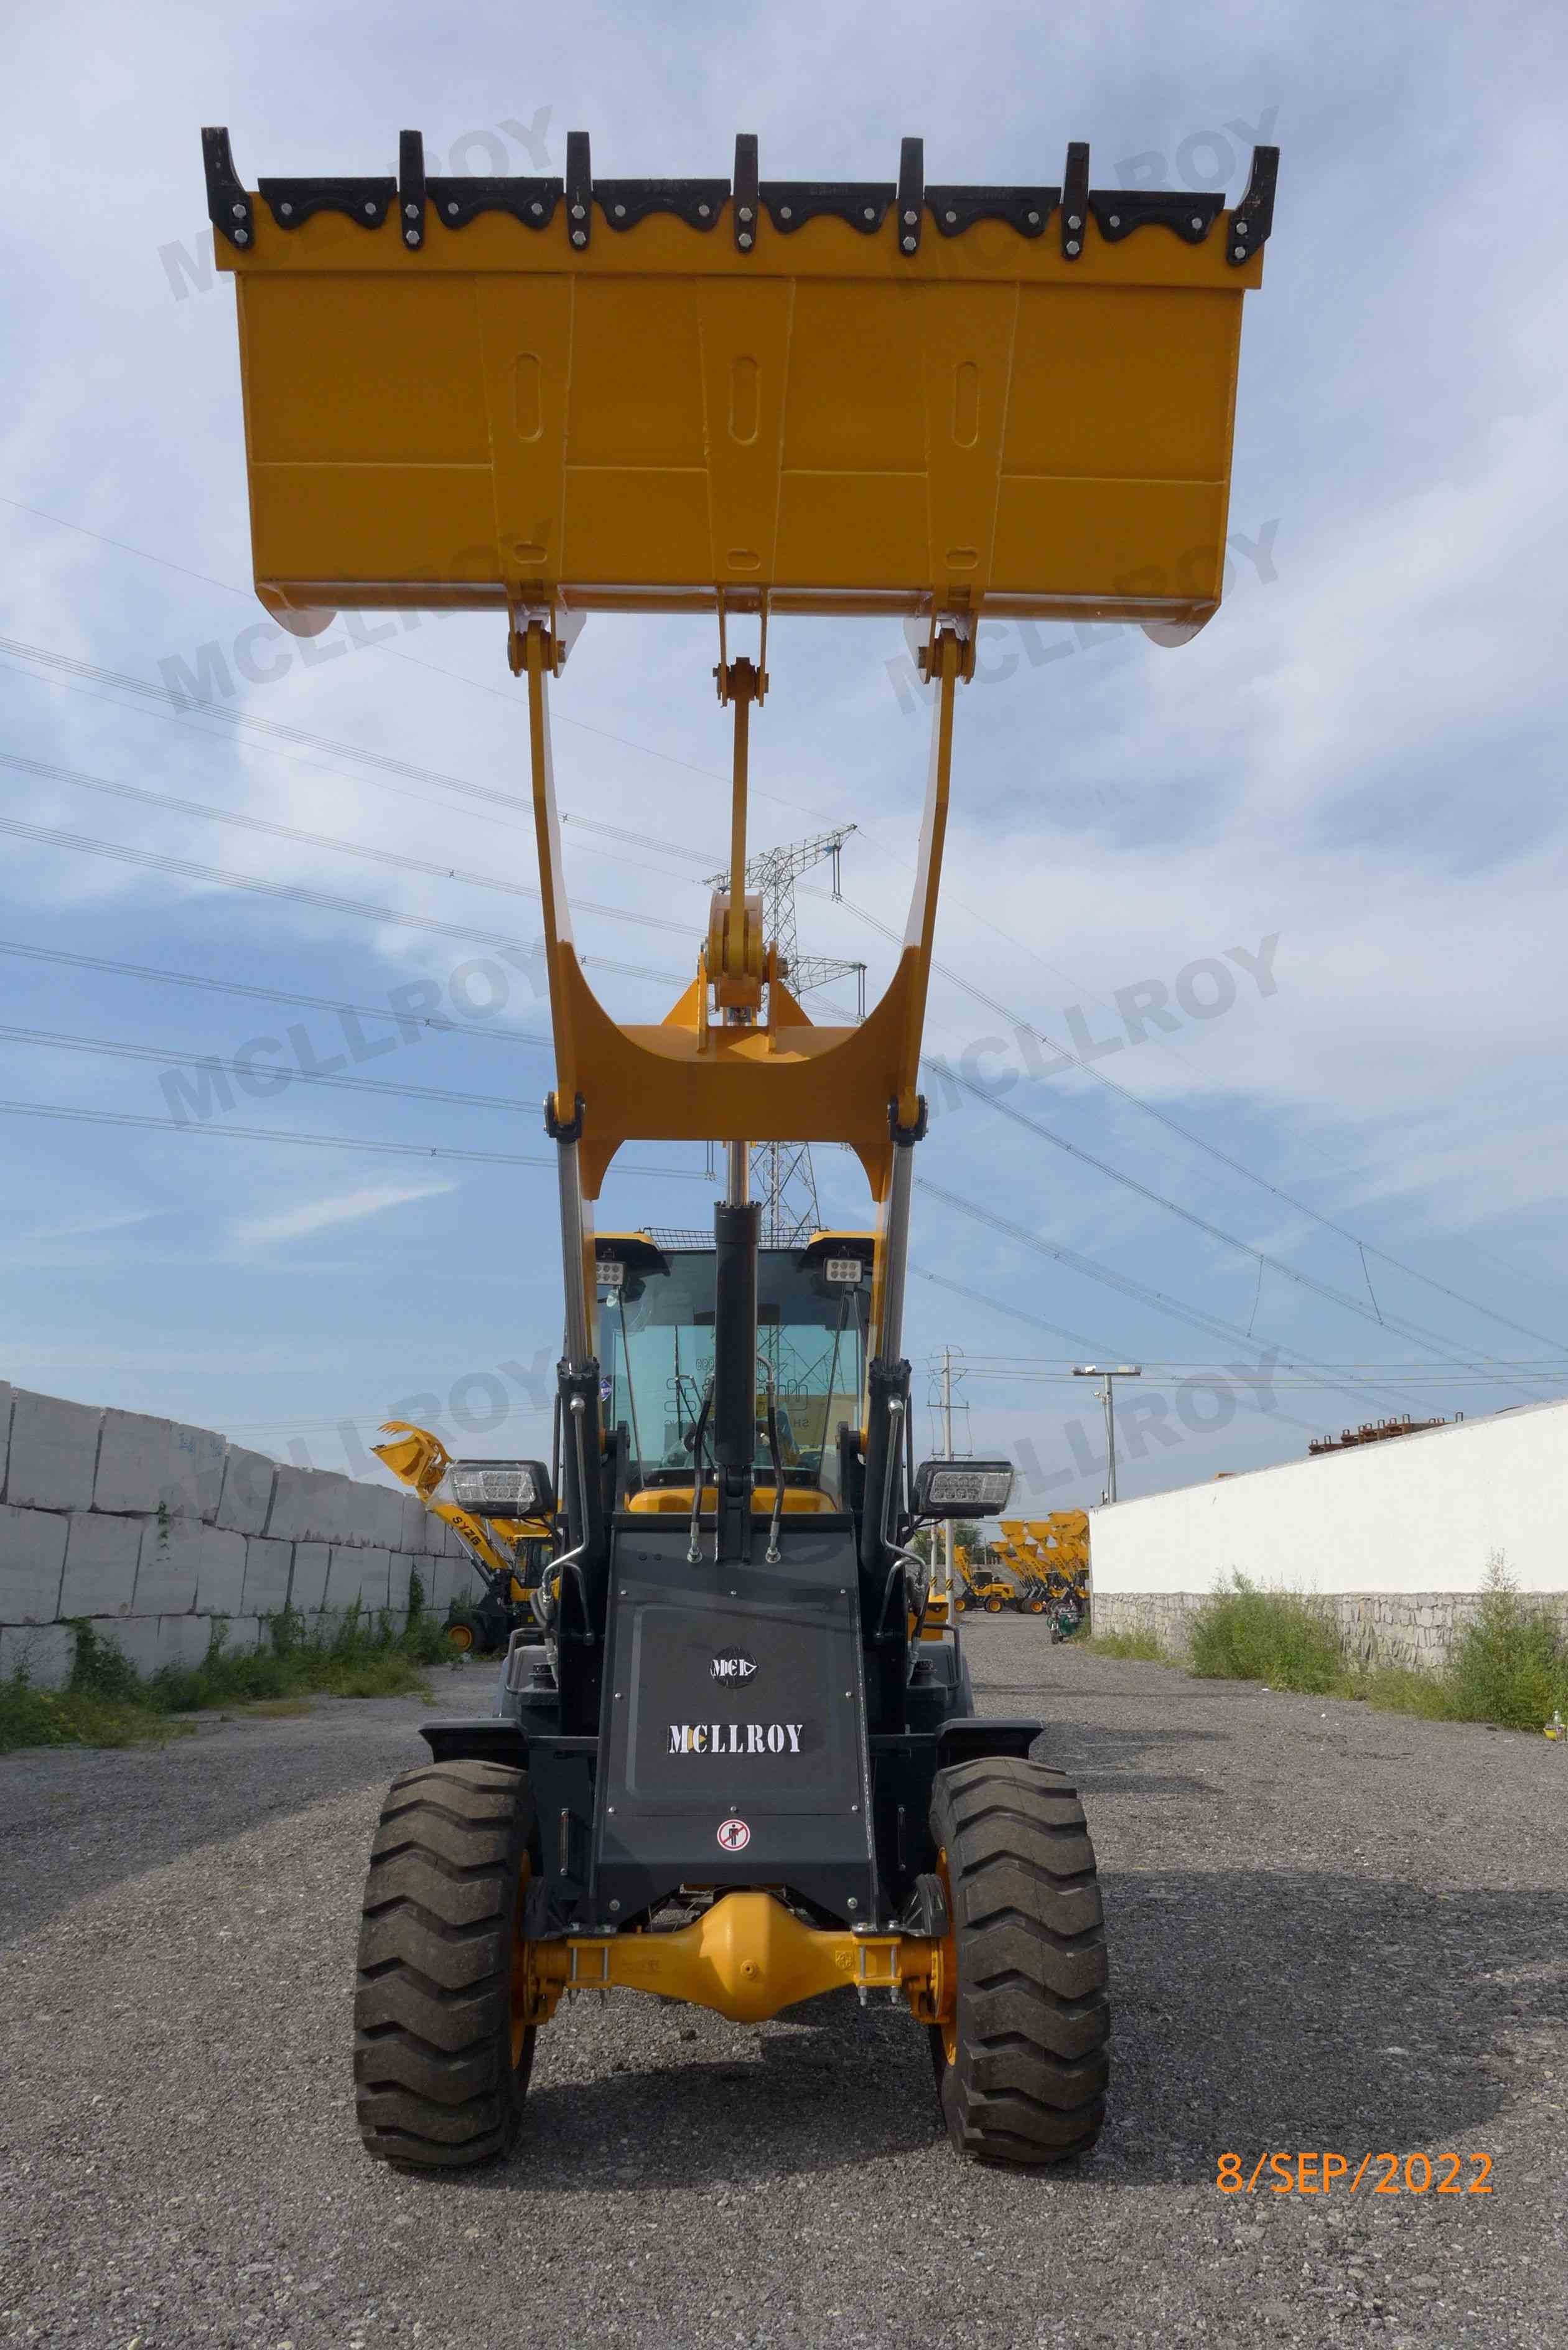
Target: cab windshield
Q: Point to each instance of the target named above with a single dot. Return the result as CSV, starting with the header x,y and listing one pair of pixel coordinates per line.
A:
x,y
656,1343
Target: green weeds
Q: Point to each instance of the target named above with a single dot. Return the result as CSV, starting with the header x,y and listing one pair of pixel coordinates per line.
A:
x,y
1141,1647
1508,1666
107,1703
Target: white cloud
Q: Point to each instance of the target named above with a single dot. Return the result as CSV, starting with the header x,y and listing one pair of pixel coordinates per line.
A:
x,y
78,1228
319,1215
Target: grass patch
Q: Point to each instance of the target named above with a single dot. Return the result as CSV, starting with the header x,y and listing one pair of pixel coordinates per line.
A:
x,y
1395,1689
1508,1666
69,1717
107,1703
1141,1647
1245,1634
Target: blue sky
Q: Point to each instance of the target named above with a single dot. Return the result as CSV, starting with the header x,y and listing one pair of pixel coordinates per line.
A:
x,y
1356,1164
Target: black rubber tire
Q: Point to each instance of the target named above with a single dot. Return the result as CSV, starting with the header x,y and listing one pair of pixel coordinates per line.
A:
x,y
440,2076
993,1607
1025,2082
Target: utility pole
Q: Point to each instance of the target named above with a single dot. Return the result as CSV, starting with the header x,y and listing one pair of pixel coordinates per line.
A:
x,y
947,1581
946,1372
1107,1396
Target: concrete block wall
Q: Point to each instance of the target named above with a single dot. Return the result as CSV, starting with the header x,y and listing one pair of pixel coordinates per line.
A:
x,y
154,1531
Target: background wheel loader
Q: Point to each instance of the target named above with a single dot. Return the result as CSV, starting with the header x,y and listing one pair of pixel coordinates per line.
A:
x,y
979,1589
1051,1558
744,1767
508,1553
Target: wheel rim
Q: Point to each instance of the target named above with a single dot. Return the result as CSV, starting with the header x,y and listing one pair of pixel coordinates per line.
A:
x,y
993,1607
947,2025
522,1974
460,1636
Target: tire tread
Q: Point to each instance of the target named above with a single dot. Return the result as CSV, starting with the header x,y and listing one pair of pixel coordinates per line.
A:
x,y
434,2081
1026,2086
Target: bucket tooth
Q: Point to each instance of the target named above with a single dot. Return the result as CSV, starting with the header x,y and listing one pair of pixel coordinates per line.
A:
x,y
411,188
579,189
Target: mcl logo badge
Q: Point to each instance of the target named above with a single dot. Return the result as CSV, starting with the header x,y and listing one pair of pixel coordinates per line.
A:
x,y
733,1665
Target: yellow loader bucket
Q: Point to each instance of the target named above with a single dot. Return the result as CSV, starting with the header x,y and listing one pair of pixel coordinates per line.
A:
x,y
580,394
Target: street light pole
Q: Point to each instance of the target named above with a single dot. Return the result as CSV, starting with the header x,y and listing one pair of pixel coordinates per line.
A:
x,y
1107,1396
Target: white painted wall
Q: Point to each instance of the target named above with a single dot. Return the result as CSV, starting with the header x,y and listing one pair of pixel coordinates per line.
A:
x,y
1413,1513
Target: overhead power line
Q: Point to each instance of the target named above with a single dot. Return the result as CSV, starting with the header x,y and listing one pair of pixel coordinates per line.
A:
x,y
176,704
1180,1364
438,1021
1201,1224
1192,1314
327,1141
1467,1380
183,868
188,708
1199,1142
427,866
1017,1313
43,655
246,1073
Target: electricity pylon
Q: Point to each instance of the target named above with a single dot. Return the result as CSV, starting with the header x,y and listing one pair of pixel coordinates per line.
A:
x,y
782,1181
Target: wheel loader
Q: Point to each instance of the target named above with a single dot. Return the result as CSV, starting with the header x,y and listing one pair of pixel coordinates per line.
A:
x,y
1030,1593
508,1554
979,1585
745,1766
1051,1558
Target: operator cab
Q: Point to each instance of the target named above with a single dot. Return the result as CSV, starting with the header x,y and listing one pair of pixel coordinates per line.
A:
x,y
656,1309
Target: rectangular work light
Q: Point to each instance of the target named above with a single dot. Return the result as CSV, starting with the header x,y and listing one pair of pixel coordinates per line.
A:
x,y
508,1489
953,1488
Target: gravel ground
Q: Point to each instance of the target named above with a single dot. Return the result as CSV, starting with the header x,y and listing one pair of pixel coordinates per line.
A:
x,y
1330,1930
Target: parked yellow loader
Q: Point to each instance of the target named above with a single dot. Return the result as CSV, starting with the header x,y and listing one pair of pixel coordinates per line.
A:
x,y
1052,1558
979,1587
475,1499
746,1768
